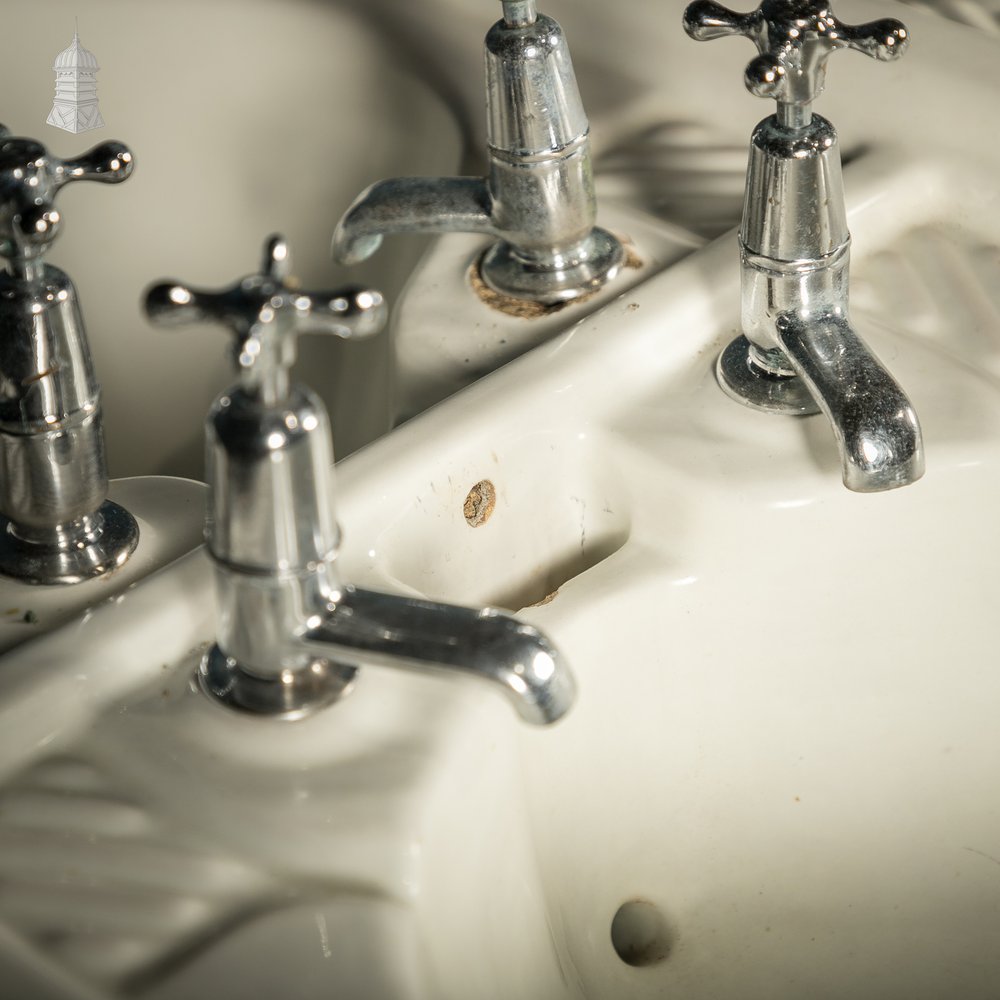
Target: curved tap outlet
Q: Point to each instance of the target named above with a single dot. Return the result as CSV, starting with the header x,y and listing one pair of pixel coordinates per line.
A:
x,y
412,205
308,654
876,429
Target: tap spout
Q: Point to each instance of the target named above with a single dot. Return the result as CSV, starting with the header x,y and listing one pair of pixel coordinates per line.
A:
x,y
538,197
412,205
873,421
370,628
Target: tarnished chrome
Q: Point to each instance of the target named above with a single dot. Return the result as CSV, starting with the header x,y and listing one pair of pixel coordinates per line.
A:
x,y
799,353
291,635
56,525
539,196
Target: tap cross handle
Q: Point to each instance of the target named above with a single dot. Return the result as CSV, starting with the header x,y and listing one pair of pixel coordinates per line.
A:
x,y
794,39
30,178
266,312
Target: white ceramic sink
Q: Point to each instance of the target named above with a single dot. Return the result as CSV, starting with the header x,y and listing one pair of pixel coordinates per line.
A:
x,y
784,756
785,739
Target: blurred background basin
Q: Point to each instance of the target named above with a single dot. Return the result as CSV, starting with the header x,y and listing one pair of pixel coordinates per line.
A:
x,y
245,118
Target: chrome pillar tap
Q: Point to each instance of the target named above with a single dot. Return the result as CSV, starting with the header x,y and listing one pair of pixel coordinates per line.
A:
x,y
799,353
56,524
539,195
291,635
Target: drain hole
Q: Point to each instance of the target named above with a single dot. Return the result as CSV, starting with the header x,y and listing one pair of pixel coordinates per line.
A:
x,y
640,933
479,503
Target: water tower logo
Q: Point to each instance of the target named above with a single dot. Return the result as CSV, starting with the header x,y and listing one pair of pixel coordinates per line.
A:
x,y
75,106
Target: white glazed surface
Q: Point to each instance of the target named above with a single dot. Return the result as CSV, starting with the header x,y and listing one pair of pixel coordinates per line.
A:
x,y
786,733
170,514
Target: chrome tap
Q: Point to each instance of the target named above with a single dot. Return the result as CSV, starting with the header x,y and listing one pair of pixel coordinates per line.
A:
x,y
799,353
539,196
291,635
56,523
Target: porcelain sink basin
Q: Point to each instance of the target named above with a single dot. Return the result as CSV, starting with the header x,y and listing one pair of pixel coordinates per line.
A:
x,y
779,778
781,762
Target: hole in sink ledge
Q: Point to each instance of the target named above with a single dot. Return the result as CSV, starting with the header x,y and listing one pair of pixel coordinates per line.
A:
x,y
479,503
640,934
557,508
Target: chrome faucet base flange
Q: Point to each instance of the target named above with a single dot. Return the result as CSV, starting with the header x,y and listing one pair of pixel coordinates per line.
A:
x,y
69,556
746,382
598,261
291,695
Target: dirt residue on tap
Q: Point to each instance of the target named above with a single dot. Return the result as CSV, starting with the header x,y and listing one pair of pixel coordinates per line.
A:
x,y
526,309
